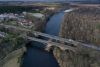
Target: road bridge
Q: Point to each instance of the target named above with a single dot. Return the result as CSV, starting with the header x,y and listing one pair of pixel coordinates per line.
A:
x,y
53,40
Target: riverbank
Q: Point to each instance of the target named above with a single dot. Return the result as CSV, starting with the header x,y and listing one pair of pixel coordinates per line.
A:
x,y
13,59
81,25
33,54
12,40
84,26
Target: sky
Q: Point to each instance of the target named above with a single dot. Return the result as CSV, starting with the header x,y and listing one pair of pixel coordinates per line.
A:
x,y
43,0
49,0
31,0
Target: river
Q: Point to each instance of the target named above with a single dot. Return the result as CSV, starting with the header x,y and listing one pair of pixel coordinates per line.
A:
x,y
35,56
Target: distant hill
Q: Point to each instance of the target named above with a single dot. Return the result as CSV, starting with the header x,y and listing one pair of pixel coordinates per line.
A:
x,y
73,1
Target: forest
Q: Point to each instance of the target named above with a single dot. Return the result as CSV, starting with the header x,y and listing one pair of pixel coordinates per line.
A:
x,y
82,24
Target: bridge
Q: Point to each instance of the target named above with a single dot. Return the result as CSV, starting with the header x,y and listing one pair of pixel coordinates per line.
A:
x,y
51,40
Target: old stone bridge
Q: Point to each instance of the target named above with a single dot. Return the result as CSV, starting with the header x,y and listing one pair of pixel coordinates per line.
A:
x,y
51,40
60,46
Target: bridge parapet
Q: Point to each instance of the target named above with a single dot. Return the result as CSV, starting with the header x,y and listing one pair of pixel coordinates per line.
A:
x,y
56,39
69,53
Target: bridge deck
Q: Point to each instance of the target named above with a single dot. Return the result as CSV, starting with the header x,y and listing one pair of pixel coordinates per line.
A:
x,y
69,41
48,43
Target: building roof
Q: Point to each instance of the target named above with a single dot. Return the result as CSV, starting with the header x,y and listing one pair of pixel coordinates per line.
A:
x,y
38,15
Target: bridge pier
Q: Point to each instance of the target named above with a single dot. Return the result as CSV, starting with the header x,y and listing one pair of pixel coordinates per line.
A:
x,y
49,46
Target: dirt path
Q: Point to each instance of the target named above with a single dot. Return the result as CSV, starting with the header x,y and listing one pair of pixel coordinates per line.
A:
x,y
12,63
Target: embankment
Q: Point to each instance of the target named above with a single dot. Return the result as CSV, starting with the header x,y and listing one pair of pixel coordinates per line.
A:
x,y
13,59
82,24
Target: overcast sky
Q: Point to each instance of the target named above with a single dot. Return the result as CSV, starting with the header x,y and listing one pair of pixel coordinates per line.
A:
x,y
43,0
31,0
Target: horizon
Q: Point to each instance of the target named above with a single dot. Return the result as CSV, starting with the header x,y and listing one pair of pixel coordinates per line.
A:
x,y
49,0
84,1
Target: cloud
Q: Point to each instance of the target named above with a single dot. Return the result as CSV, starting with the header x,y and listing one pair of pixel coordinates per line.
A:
x,y
53,0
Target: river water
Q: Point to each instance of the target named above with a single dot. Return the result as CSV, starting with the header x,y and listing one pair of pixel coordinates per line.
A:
x,y
36,57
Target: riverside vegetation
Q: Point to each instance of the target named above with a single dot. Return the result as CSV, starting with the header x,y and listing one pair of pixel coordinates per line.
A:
x,y
83,25
12,40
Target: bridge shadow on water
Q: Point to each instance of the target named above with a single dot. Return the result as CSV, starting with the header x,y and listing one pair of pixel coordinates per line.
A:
x,y
36,56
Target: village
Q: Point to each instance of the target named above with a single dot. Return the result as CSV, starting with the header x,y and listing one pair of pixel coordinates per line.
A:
x,y
20,19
